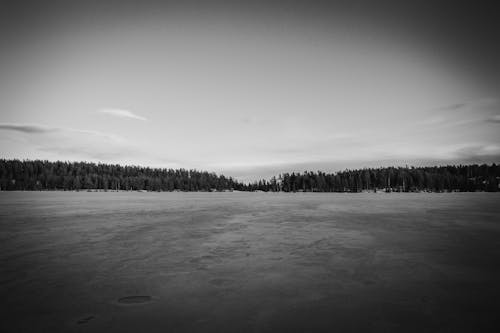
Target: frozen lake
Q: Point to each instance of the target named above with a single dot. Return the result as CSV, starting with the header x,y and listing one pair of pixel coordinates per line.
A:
x,y
249,262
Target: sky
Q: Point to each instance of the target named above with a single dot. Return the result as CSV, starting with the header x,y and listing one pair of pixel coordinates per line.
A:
x,y
251,89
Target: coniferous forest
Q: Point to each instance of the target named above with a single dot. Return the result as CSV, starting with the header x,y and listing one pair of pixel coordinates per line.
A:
x,y
32,175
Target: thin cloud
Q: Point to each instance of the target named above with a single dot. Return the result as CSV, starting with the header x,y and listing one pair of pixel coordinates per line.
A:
x,y
475,111
494,119
107,136
54,143
453,106
28,128
475,104
64,141
478,152
122,113
43,129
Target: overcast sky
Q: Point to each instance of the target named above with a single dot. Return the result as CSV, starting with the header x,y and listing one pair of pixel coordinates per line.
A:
x,y
250,88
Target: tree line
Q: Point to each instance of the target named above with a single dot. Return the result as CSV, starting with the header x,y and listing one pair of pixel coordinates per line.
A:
x,y
451,178
46,175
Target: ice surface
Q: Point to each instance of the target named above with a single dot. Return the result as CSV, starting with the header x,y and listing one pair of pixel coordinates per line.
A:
x,y
249,262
